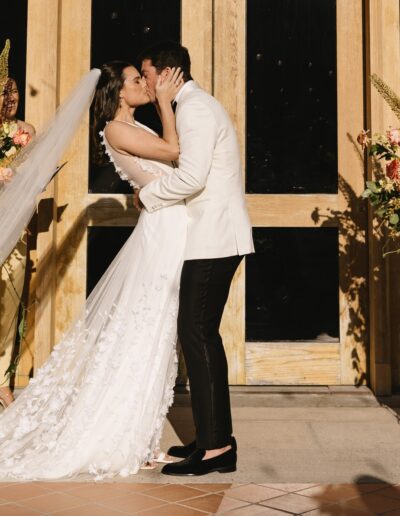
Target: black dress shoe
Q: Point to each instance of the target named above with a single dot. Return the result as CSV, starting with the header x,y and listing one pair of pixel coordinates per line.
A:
x,y
195,466
184,451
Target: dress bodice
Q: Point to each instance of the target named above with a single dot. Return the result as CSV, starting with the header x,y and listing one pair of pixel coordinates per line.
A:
x,y
137,171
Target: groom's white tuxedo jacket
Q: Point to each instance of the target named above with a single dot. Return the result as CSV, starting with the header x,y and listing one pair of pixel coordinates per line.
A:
x,y
209,178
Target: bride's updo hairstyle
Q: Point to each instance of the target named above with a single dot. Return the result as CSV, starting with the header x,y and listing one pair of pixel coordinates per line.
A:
x,y
106,103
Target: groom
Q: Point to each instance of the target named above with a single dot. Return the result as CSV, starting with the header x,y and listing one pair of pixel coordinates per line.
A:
x,y
209,179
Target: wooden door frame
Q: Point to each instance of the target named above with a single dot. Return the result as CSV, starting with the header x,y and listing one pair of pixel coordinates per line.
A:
x,y
301,362
58,54
382,58
41,102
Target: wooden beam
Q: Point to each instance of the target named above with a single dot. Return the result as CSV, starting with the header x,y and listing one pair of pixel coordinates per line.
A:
x,y
230,61
72,182
383,58
197,33
352,212
111,210
292,363
292,210
41,103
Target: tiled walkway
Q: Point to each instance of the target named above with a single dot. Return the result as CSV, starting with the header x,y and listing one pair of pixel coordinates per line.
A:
x,y
113,499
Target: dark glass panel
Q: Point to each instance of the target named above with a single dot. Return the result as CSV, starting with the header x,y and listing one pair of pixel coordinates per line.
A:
x,y
291,96
121,29
292,285
14,26
103,244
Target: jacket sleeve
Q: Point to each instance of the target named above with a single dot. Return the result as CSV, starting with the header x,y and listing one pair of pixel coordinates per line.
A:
x,y
197,131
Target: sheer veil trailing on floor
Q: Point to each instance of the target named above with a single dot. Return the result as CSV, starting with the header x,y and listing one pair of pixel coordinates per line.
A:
x,y
36,164
97,406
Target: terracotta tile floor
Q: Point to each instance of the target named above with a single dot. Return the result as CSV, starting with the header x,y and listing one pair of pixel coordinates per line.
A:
x,y
113,499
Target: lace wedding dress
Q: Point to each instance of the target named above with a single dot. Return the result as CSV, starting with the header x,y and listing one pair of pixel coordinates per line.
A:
x,y
97,406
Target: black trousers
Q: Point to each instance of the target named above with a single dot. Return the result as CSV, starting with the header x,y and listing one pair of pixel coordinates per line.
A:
x,y
203,293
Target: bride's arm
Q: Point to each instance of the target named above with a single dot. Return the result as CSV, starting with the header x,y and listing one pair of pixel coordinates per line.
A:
x,y
139,142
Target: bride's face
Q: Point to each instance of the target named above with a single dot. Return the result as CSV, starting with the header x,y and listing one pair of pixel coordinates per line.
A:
x,y
134,91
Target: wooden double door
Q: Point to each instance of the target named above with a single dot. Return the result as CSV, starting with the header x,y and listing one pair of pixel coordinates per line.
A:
x,y
294,87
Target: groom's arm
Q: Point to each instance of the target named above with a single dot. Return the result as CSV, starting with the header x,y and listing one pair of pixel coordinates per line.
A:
x,y
197,131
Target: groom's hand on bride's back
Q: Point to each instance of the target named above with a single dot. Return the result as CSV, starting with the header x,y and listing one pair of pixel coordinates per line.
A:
x,y
136,200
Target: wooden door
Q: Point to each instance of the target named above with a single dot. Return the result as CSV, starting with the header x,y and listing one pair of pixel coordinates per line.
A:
x,y
283,218
86,214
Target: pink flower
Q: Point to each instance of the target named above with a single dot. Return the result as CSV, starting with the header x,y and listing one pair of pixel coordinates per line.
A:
x,y
393,136
363,139
5,175
21,137
393,170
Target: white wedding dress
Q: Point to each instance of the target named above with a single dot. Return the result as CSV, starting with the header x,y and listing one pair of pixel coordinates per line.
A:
x,y
97,407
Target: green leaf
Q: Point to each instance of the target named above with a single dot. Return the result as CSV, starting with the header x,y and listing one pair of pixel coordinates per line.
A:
x,y
375,199
394,219
371,185
366,193
21,326
12,368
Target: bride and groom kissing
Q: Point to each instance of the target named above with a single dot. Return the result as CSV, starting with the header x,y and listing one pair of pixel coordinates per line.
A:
x,y
98,404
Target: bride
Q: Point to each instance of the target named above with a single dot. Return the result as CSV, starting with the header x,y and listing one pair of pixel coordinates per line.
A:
x,y
98,404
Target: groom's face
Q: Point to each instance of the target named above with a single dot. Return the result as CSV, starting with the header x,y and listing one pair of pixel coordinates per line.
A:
x,y
150,74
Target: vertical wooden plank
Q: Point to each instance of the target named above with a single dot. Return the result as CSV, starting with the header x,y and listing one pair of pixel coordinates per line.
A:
x,y
383,58
41,102
198,42
394,319
351,209
230,61
72,183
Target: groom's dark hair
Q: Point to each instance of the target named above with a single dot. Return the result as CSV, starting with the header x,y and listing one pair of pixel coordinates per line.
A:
x,y
168,53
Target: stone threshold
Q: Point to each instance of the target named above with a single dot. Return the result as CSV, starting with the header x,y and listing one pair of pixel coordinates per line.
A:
x,y
287,396
296,396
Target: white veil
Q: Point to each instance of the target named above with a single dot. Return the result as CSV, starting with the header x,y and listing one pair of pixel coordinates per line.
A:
x,y
36,164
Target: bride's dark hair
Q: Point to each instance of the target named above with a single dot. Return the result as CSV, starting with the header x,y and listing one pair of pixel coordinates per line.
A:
x,y
105,103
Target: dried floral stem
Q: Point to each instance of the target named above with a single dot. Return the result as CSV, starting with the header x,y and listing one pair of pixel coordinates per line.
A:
x,y
387,94
21,327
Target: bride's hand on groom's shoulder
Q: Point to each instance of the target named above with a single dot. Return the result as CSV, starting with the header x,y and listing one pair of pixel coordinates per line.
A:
x,y
167,87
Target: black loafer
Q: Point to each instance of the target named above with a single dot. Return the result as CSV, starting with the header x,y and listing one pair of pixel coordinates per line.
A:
x,y
195,466
183,452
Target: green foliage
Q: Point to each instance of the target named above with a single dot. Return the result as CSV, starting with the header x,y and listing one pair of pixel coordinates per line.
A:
x,y
394,219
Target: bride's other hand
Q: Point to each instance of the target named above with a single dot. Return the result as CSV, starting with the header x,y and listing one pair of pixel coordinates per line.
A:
x,y
168,87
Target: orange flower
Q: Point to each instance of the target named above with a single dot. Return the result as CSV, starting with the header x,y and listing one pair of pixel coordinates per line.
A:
x,y
363,139
21,137
393,170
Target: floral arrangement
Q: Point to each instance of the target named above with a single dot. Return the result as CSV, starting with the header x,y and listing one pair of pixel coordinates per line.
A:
x,y
12,140
384,192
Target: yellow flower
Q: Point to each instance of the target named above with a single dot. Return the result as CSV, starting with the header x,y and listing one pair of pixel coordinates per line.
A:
x,y
10,152
6,128
388,187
